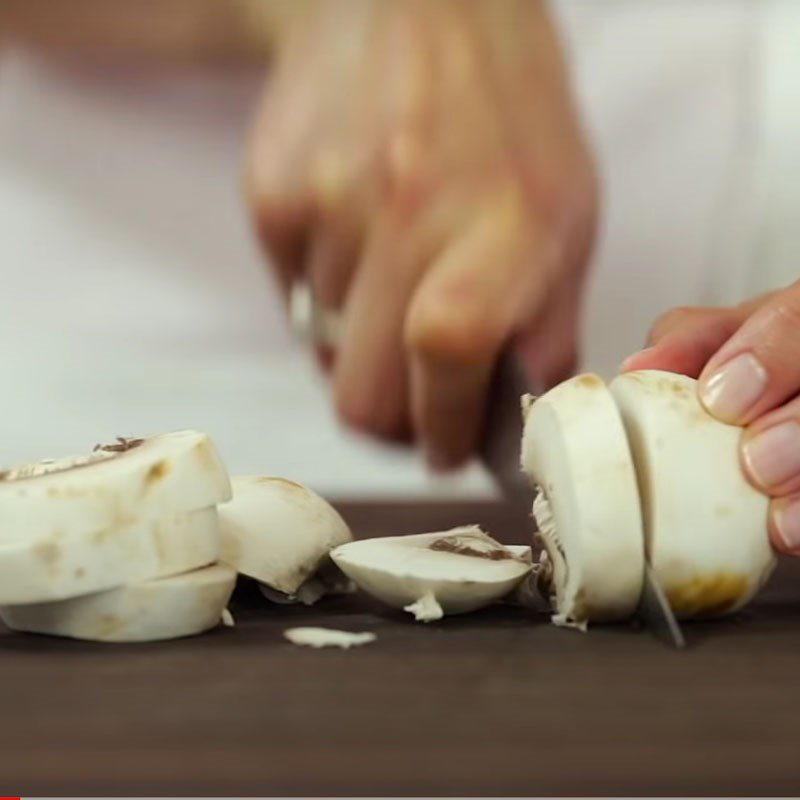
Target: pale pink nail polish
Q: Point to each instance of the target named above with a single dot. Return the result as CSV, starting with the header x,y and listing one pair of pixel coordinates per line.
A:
x,y
773,456
787,521
626,364
734,388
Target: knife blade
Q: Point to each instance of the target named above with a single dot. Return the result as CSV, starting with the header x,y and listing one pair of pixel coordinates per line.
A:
x,y
655,611
499,448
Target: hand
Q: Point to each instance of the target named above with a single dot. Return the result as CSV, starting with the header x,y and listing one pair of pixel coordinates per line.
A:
x,y
421,163
747,359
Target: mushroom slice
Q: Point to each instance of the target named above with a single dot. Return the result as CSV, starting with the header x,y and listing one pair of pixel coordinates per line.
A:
x,y
587,510
433,574
168,608
37,569
278,532
134,479
704,524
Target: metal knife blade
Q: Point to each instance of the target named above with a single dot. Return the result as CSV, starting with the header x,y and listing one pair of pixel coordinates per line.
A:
x,y
499,449
655,611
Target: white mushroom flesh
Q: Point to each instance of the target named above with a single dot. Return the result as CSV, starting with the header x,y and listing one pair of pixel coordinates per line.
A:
x,y
118,484
432,574
328,637
168,608
278,532
704,524
36,569
587,510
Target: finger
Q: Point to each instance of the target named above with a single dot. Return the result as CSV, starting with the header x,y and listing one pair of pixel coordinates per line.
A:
x,y
277,178
683,340
282,216
370,379
474,300
332,263
784,525
758,368
549,345
771,450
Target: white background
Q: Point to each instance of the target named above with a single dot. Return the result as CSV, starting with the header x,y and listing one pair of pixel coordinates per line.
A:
x,y
134,300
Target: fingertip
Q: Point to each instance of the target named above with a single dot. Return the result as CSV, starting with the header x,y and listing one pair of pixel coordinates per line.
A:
x,y
639,360
784,525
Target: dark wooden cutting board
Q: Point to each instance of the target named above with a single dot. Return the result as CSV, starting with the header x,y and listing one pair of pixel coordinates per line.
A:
x,y
499,702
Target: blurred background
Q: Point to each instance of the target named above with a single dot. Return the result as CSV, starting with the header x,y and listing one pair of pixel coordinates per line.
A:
x,y
136,299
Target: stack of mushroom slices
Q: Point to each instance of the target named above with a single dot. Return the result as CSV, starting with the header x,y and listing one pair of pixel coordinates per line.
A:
x,y
120,545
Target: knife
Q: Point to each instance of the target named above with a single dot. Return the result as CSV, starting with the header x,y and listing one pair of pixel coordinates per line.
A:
x,y
655,611
499,448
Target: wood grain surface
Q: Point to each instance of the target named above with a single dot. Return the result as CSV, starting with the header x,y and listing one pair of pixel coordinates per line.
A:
x,y
498,702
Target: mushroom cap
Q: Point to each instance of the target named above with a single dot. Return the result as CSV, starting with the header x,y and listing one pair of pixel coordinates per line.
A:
x,y
704,524
575,450
167,608
277,531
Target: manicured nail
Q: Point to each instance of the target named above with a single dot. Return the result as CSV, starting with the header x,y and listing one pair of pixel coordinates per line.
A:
x,y
773,456
787,521
630,360
734,388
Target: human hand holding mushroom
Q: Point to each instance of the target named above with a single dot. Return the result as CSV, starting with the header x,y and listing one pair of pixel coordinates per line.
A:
x,y
421,166
747,359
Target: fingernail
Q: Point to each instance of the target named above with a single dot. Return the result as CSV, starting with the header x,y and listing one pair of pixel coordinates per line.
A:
x,y
734,388
773,455
787,521
630,360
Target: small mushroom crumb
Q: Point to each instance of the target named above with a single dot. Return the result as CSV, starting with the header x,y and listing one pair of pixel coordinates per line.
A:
x,y
425,609
227,618
327,637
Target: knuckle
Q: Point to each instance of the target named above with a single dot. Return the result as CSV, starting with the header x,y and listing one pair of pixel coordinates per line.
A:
x,y
787,310
450,332
669,320
359,411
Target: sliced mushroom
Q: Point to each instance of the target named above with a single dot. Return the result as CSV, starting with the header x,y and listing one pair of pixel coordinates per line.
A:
x,y
278,532
35,569
117,484
433,574
587,510
168,608
705,526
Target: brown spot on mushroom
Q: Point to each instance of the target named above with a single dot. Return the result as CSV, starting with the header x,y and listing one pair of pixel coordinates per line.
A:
x,y
99,537
156,473
707,595
474,545
107,625
589,381
48,553
122,445
80,572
